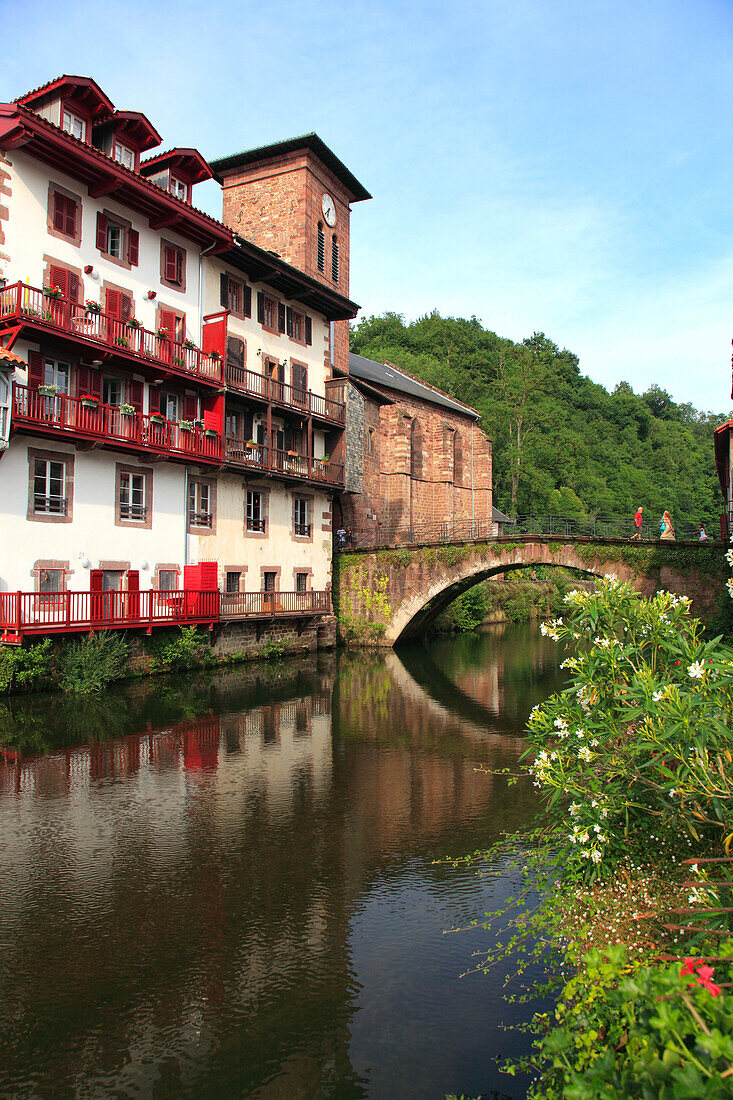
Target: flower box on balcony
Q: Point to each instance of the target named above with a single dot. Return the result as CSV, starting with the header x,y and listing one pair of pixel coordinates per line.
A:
x,y
53,292
122,341
211,432
251,444
48,391
292,454
215,355
132,322
89,402
163,334
190,345
186,425
127,410
156,418
92,307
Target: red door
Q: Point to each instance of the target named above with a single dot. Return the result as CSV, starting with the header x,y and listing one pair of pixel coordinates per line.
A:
x,y
133,594
96,597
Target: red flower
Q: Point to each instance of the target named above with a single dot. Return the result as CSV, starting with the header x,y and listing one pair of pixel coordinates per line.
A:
x,y
689,967
705,973
676,662
703,976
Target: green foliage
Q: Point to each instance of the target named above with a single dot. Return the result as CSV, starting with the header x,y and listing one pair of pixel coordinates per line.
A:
x,y
187,648
24,669
563,444
361,604
467,612
272,650
89,665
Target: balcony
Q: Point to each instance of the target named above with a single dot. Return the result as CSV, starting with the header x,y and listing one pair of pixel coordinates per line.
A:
x,y
27,306
59,415
270,390
268,605
286,464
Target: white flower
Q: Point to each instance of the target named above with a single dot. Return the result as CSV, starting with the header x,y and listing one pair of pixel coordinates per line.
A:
x,y
596,828
610,576
673,792
693,868
696,670
574,808
593,741
596,856
604,812
657,695
585,754
560,723
729,557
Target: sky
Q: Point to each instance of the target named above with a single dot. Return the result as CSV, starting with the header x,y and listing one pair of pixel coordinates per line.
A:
x,y
563,166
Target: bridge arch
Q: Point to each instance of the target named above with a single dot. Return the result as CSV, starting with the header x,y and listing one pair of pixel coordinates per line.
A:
x,y
387,597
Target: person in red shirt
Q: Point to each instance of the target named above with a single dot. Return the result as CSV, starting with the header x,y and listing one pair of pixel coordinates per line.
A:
x,y
638,520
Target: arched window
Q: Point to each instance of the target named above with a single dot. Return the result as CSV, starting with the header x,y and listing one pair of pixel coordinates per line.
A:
x,y
335,258
321,248
457,459
416,449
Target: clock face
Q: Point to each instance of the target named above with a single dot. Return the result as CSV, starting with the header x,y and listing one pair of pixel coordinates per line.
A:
x,y
328,206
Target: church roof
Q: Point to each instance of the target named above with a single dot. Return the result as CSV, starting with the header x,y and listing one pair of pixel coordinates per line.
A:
x,y
384,374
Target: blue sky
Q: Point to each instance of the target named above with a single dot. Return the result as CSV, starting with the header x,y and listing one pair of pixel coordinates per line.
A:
x,y
543,164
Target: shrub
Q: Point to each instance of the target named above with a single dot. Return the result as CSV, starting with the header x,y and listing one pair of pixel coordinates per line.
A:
x,y
188,649
89,665
24,669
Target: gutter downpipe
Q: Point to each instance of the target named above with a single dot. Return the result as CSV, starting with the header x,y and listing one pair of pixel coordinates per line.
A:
x,y
201,340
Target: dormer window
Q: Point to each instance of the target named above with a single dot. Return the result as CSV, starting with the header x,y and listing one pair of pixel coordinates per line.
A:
x,y
124,155
74,125
179,189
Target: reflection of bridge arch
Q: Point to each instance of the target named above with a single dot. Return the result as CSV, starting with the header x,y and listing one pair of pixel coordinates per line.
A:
x,y
416,584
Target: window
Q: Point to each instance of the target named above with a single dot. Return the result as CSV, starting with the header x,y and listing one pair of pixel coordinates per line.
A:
x,y
51,580
115,240
298,326
112,391
68,282
232,425
370,441
172,266
168,580
321,249
56,373
131,502
235,357
232,581
179,189
168,406
200,504
125,156
302,526
49,486
65,214
416,449
299,375
301,582
457,459
268,581
270,310
235,296
74,125
335,258
255,511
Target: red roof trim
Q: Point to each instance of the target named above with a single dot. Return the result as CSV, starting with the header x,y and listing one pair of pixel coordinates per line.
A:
x,y
66,81
190,160
11,357
129,121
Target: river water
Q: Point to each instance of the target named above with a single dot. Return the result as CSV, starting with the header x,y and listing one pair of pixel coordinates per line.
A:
x,y
226,885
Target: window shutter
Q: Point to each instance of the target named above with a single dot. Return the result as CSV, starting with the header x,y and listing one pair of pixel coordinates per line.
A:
x,y
247,304
260,307
73,287
190,406
58,212
35,369
59,276
168,322
235,351
70,218
102,232
248,426
224,290
112,301
308,330
169,263
125,307
280,317
82,380
179,266
289,321
136,395
153,399
95,384
133,247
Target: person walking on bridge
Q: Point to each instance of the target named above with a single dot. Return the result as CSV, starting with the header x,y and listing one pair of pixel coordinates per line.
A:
x,y
638,521
667,530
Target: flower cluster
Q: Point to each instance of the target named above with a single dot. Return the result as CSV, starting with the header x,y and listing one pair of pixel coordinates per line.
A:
x,y
700,972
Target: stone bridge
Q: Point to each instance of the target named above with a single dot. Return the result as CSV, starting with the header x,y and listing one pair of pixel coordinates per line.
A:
x,y
387,597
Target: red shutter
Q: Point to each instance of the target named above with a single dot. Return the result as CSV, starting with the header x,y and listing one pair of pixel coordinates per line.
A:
x,y
58,212
125,307
74,284
168,322
308,330
133,247
83,384
224,290
280,317
190,406
153,399
70,218
95,384
179,267
136,395
95,580
59,276
260,307
247,305
113,303
35,369
102,232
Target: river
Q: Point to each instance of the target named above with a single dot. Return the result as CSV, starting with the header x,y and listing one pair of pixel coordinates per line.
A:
x,y
226,885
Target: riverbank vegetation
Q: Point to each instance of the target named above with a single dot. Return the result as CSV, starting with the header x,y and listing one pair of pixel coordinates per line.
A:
x,y
562,444
516,598
629,887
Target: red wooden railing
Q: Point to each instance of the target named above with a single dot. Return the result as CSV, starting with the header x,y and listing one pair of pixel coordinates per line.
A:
x,y
291,397
53,612
19,302
261,457
77,417
246,605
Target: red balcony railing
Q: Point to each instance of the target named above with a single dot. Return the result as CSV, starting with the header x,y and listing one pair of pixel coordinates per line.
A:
x,y
259,456
29,305
56,612
279,393
78,417
248,605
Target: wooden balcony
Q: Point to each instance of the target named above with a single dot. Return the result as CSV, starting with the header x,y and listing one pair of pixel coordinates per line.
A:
x,y
269,605
270,390
286,464
73,417
29,613
30,307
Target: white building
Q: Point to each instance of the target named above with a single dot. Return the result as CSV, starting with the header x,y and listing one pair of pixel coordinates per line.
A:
x,y
162,380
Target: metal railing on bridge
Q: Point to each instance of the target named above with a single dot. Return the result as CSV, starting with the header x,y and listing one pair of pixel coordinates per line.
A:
x,y
376,536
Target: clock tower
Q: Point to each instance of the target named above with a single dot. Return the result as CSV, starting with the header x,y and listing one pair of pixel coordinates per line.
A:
x,y
294,198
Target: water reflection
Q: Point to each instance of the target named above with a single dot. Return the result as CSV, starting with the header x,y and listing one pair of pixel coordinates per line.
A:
x,y
233,893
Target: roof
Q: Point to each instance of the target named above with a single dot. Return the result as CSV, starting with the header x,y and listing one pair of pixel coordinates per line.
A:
x,y
135,122
384,374
190,160
499,517
88,87
10,357
292,145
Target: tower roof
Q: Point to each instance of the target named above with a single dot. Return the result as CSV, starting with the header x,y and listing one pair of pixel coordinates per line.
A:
x,y
224,165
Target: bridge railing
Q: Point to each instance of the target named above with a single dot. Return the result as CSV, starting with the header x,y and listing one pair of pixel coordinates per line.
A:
x,y
376,536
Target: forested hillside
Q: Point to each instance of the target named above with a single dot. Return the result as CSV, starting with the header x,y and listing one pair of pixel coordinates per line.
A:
x,y
563,444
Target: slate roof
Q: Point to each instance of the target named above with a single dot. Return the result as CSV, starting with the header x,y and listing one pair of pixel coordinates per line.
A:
x,y
383,374
499,517
292,145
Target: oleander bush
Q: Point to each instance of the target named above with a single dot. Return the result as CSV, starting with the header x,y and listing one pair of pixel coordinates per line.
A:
x,y
24,668
86,667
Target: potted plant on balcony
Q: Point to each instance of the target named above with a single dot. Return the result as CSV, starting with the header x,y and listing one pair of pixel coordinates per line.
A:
x,y
89,400
186,425
157,418
216,355
92,307
211,432
190,345
127,410
132,322
53,292
251,444
122,341
163,334
48,391
178,361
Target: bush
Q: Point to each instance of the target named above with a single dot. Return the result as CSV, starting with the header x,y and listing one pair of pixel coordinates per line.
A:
x,y
188,649
24,669
88,666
